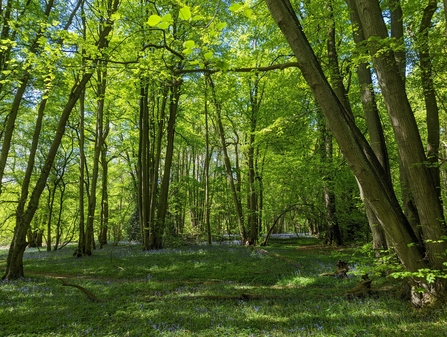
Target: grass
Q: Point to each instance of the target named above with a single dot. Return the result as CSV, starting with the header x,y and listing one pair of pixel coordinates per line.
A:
x,y
203,291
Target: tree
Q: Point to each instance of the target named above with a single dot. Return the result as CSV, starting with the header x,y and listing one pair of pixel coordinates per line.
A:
x,y
359,155
14,267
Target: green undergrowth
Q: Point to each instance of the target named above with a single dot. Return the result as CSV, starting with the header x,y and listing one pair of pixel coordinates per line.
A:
x,y
219,290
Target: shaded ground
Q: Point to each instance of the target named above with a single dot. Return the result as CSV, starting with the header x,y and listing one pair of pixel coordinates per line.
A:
x,y
204,291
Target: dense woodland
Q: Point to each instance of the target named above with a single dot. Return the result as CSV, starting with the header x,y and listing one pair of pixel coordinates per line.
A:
x,y
153,121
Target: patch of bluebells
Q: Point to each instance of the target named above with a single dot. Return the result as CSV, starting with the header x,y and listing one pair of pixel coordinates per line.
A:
x,y
166,327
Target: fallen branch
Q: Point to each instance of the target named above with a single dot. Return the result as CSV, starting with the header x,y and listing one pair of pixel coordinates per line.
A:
x,y
88,293
241,297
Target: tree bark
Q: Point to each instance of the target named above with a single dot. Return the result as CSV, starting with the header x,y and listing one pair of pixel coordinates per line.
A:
x,y
397,32
143,165
431,105
103,230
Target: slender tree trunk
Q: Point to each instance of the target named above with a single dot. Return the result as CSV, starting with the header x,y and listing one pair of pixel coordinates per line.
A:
x,y
59,216
431,105
50,205
397,32
253,211
207,169
157,122
143,166
99,138
332,228
234,191
374,126
157,229
104,188
81,241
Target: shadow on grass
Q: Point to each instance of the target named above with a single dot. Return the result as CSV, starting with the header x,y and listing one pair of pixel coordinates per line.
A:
x,y
200,291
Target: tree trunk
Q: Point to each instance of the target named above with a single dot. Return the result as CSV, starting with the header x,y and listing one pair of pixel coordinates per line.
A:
x,y
81,139
234,190
397,32
157,227
207,169
253,211
143,165
104,188
431,105
374,127
99,139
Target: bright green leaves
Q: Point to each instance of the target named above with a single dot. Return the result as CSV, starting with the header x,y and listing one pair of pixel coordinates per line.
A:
x,y
154,20
188,47
185,13
162,22
221,25
235,7
241,8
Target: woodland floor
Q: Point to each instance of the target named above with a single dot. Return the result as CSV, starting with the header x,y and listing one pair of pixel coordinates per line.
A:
x,y
199,290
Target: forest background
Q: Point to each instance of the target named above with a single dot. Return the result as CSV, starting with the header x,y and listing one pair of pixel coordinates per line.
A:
x,y
143,120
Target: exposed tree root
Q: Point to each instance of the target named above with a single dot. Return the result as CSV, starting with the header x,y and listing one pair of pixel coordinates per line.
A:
x,y
88,293
361,289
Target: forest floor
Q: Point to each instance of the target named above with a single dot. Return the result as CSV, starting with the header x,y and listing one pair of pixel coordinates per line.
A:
x,y
199,290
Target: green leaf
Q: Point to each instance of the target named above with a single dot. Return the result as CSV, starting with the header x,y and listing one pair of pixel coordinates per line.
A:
x,y
221,25
163,25
167,18
153,20
248,12
189,44
235,7
208,55
185,13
